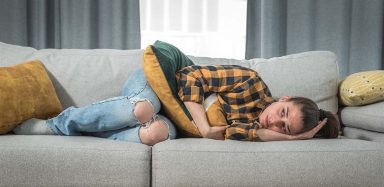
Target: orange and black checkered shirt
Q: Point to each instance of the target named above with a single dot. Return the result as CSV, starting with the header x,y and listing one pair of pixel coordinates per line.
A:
x,y
241,92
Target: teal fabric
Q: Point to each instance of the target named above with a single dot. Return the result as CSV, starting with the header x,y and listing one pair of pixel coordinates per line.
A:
x,y
179,59
171,59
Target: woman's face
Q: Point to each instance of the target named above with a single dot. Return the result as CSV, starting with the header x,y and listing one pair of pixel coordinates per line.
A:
x,y
283,117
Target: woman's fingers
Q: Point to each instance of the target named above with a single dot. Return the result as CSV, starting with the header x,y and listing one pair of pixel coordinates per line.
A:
x,y
321,125
311,133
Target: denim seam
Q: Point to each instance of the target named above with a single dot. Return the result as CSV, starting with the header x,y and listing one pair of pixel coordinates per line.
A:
x,y
110,100
138,92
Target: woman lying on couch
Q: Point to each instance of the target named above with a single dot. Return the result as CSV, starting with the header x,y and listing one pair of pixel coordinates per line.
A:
x,y
251,112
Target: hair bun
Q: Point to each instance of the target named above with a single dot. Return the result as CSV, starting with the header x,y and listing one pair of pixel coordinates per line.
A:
x,y
322,114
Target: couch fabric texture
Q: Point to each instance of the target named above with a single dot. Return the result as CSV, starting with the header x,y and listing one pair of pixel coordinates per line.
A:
x,y
233,163
82,77
364,122
72,161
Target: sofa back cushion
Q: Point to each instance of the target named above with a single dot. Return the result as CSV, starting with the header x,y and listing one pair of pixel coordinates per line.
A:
x,y
81,77
312,74
12,54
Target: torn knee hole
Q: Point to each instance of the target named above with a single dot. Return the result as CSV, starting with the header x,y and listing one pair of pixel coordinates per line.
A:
x,y
143,111
157,132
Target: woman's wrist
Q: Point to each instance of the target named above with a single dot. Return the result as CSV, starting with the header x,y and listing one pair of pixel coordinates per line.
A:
x,y
269,135
293,137
199,117
204,130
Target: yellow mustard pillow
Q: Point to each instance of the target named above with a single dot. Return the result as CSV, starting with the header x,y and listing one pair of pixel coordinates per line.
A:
x,y
26,92
160,64
362,88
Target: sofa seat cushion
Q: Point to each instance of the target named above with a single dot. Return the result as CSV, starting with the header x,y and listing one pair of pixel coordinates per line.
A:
x,y
368,117
362,134
205,162
72,161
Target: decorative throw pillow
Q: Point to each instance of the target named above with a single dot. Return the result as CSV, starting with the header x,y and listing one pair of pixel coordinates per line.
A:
x,y
161,62
26,92
362,88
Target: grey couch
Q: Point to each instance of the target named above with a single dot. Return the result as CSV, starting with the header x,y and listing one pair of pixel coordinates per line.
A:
x,y
81,77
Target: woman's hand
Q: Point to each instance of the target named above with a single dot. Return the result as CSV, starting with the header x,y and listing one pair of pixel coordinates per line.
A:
x,y
216,132
311,133
197,112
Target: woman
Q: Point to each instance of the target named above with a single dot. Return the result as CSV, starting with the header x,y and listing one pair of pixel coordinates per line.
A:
x,y
132,117
251,112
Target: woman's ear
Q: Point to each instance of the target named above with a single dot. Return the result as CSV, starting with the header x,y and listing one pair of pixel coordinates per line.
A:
x,y
285,98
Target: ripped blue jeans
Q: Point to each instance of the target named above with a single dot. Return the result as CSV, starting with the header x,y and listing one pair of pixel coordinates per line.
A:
x,y
112,118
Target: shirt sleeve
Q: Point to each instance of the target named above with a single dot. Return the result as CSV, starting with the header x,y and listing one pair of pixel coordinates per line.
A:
x,y
241,92
242,131
229,81
191,85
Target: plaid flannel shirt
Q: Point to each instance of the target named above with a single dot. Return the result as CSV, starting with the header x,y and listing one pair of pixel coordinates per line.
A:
x,y
241,92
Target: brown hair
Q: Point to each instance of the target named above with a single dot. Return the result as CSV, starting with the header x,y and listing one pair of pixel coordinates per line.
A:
x,y
311,115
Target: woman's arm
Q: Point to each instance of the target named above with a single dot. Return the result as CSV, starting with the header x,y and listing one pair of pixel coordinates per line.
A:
x,y
192,86
199,117
269,135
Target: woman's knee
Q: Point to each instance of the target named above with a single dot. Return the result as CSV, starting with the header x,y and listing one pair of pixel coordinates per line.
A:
x,y
143,111
155,133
